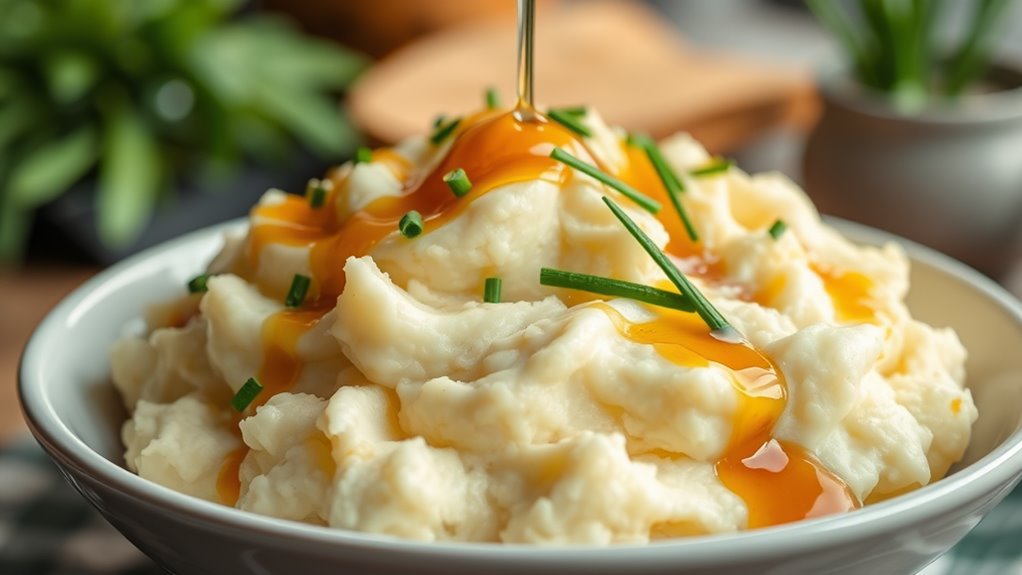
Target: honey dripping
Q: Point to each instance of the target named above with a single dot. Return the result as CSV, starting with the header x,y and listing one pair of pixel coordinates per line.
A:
x,y
779,481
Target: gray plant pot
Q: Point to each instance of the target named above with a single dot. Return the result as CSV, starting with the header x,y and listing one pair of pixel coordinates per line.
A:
x,y
949,177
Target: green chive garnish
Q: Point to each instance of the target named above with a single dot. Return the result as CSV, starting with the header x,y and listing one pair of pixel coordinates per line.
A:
x,y
315,192
458,181
492,98
491,291
410,224
363,155
246,394
299,288
671,182
777,229
444,130
713,318
614,288
573,110
717,166
570,121
646,202
438,120
198,284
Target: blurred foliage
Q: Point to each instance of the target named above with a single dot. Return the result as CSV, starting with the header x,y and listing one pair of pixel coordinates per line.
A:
x,y
140,92
892,45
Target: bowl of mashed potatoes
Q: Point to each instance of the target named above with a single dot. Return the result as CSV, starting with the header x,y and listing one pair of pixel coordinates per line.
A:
x,y
544,346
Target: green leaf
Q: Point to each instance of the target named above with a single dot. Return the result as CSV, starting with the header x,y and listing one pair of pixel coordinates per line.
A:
x,y
10,82
129,177
51,169
831,15
70,75
15,119
975,54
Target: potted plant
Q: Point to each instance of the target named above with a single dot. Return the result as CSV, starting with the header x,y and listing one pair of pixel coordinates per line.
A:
x,y
919,139
109,108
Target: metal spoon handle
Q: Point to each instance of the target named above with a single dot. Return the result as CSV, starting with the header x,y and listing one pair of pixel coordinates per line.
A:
x,y
526,29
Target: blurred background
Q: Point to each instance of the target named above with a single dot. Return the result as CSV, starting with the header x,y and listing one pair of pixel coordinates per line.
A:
x,y
124,123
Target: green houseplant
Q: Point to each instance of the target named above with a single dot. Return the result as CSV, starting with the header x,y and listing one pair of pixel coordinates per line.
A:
x,y
133,94
920,135
894,47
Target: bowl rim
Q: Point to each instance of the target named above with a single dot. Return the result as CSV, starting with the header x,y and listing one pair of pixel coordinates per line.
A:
x,y
997,469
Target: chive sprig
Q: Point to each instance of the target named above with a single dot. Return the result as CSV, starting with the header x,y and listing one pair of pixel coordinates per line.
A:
x,y
299,289
458,181
777,229
246,395
443,130
491,290
644,201
492,98
715,167
198,284
713,318
614,288
363,155
571,119
410,225
672,183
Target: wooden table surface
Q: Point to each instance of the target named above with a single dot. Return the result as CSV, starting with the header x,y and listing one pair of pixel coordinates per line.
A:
x,y
25,297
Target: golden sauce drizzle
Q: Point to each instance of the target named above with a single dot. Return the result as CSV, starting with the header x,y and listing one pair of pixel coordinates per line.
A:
x,y
767,296
228,481
851,293
956,405
322,453
779,481
684,339
281,364
493,148
640,173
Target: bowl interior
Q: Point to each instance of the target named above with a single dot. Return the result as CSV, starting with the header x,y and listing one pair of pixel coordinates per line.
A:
x,y
71,347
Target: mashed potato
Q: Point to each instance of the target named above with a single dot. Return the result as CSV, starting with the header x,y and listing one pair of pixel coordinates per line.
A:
x,y
395,401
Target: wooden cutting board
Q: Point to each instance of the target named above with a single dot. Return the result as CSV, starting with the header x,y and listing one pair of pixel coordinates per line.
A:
x,y
621,57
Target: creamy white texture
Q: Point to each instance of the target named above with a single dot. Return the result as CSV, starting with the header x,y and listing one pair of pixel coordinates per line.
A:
x,y
422,412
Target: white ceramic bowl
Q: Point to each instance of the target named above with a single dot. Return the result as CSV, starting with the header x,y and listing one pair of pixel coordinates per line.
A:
x,y
74,413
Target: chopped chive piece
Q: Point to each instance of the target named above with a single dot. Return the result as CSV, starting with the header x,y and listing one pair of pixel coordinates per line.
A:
x,y
318,197
299,288
410,224
717,166
246,394
491,291
713,318
614,288
569,121
444,130
458,181
316,192
671,183
646,202
777,229
439,120
198,284
573,110
363,155
631,140
492,98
